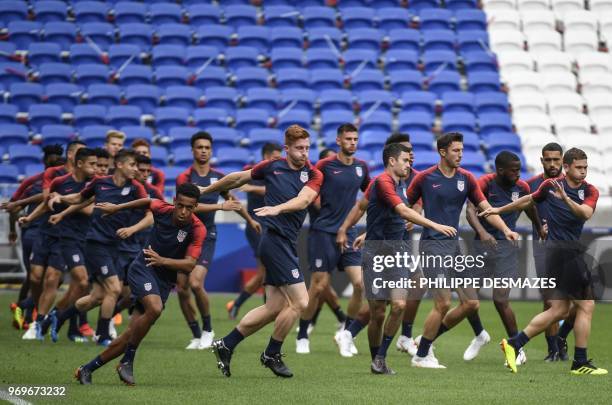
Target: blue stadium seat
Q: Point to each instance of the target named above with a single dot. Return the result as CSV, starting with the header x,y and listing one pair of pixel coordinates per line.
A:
x,y
267,99
251,118
165,13
42,52
251,77
210,117
240,15
175,34
405,39
436,61
353,58
365,38
259,137
392,18
90,11
320,58
397,60
236,158
371,141
458,122
382,99
7,51
494,122
33,169
104,94
368,79
422,141
503,141
326,79
241,56
320,37
43,114
8,174
11,10
62,33
224,136
473,161
130,12
460,5
121,53
168,55
25,94
94,135
286,37
472,41
445,81
197,55
136,74
336,99
211,76
166,76
299,117
280,16
458,101
159,158
22,155
87,115
83,53
215,35
88,74
378,121
478,62
123,115
138,34
435,19
471,141
316,17
49,73
414,121
366,156
8,114
203,14
300,99
329,141
183,96
171,172
488,102
133,132
221,97
357,17
414,101
101,33
57,134
282,58
293,79
181,136
168,117
254,36
439,40
332,119
144,96
468,20
13,134
424,160
410,80
65,95
483,82
419,5
23,33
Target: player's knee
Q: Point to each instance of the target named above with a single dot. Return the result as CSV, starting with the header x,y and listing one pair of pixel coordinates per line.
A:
x,y
196,285
154,311
587,307
442,305
52,279
472,305
35,277
377,314
357,288
398,306
82,285
300,304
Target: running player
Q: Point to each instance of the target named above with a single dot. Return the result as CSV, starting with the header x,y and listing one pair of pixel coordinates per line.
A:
x,y
256,191
572,202
174,246
157,177
291,185
444,188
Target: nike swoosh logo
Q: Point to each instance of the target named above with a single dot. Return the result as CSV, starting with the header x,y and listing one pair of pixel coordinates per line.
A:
x,y
105,188
337,171
436,185
276,172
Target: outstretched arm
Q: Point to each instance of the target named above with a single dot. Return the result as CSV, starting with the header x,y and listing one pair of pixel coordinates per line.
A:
x,y
38,211
109,208
54,219
497,221
521,204
141,225
300,202
229,182
411,215
351,220
152,258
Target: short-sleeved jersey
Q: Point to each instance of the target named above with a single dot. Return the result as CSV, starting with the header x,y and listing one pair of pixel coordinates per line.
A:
x,y
134,243
73,226
29,187
499,196
542,207
443,197
51,173
282,184
254,200
192,176
103,229
158,179
341,183
172,241
562,223
382,222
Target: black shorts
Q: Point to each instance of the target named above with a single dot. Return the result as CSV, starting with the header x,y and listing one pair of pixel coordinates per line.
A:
x,y
566,264
29,236
253,238
123,263
73,252
279,255
101,261
47,252
208,252
324,254
145,281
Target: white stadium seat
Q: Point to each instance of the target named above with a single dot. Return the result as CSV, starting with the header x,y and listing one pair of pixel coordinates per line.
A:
x,y
571,125
532,125
580,20
600,181
558,83
504,20
528,103
533,5
570,103
540,20
599,105
605,26
588,143
543,41
596,83
515,61
499,4
506,40
524,82
553,62
579,41
594,62
600,6
561,7
596,163
603,124
535,143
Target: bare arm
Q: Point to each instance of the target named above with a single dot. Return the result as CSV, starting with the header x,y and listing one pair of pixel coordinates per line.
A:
x,y
411,215
497,221
305,197
36,198
519,205
243,211
582,211
152,258
54,219
38,211
351,220
141,225
250,188
229,182
109,209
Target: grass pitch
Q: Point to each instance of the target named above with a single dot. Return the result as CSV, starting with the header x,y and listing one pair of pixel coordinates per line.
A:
x,y
166,373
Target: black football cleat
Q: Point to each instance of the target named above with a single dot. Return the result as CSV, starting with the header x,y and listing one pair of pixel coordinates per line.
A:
x,y
379,366
276,364
562,343
125,371
223,355
83,375
552,357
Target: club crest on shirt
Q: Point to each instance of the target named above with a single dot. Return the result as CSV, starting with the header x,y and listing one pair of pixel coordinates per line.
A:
x,y
460,185
304,177
359,171
295,273
181,235
104,270
76,258
318,263
515,195
581,195
148,286
213,180
125,191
